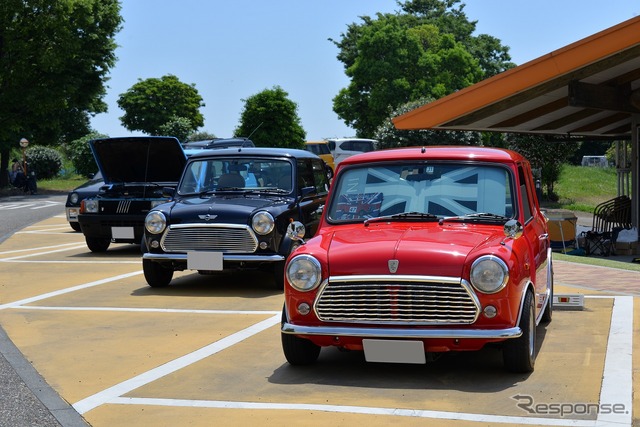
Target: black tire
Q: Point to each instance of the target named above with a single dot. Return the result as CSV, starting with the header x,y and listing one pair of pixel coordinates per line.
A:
x,y
298,351
75,226
519,354
156,275
98,244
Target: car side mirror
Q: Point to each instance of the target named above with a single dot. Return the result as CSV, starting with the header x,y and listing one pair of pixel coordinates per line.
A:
x,y
513,229
296,231
168,192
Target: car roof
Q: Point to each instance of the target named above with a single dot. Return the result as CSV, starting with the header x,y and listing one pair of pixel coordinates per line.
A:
x,y
219,143
255,151
437,153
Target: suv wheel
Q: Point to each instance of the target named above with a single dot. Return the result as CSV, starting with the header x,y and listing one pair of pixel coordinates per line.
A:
x,y
98,244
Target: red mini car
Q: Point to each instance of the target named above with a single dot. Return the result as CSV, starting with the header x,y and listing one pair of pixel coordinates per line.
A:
x,y
422,250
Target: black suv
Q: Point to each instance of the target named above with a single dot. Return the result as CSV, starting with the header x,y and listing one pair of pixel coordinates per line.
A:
x,y
231,210
136,172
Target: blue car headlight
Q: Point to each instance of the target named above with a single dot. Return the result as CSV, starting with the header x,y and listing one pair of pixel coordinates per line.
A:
x,y
155,222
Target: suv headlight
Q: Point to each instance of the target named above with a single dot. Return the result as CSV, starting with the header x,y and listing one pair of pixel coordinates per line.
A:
x,y
155,222
90,206
304,272
74,198
489,274
262,223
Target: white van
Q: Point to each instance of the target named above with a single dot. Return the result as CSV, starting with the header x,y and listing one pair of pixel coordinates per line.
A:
x,y
599,161
345,147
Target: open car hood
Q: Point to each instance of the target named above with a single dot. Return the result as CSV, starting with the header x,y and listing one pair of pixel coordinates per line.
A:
x,y
139,159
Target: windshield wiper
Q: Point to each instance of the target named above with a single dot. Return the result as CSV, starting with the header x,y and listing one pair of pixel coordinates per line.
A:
x,y
478,216
268,190
405,216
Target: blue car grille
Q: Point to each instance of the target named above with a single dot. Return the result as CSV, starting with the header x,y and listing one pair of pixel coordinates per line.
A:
x,y
226,238
390,300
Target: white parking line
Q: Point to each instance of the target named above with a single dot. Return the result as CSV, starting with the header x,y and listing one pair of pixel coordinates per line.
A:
x,y
15,251
616,388
365,410
124,387
67,290
150,310
43,253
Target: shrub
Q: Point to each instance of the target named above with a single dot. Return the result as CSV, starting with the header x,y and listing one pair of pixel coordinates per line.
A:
x,y
45,161
79,152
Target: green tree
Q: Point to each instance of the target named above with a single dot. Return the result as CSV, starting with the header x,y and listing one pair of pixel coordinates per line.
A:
x,y
389,137
54,61
152,103
79,152
546,157
200,136
425,50
271,119
180,127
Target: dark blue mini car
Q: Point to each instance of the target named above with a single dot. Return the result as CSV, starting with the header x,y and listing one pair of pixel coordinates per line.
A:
x,y
231,210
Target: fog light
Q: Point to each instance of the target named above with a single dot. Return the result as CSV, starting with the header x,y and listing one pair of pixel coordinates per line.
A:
x,y
155,244
490,311
263,245
304,308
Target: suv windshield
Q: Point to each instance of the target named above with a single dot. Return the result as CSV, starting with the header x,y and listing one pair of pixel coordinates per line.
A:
x,y
221,174
438,189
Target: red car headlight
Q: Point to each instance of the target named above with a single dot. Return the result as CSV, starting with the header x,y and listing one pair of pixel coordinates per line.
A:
x,y
304,273
489,274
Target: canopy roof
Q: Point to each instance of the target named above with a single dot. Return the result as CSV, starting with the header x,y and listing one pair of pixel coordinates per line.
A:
x,y
589,88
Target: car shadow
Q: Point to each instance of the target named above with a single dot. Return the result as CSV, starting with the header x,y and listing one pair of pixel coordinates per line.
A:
x,y
480,371
245,284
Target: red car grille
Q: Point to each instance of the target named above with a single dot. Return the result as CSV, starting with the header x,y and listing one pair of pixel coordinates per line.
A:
x,y
397,302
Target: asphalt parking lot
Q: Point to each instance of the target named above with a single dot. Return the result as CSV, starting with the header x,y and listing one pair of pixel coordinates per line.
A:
x,y
206,350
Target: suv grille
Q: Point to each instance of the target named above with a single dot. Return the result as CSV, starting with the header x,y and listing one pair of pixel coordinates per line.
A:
x,y
124,206
397,300
226,238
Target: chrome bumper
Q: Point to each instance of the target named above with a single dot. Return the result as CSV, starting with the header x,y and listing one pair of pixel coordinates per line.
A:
x,y
225,257
350,331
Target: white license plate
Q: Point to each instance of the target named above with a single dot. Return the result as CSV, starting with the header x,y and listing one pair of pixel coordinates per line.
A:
x,y
200,260
392,351
122,232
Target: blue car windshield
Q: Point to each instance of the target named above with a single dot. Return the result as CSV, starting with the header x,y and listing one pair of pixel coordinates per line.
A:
x,y
226,174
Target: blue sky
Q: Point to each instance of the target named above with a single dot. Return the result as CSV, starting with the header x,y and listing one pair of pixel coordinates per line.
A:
x,y
232,50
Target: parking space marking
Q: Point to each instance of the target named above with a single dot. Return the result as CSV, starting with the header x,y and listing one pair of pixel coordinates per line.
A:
x,y
30,205
62,248
15,251
67,290
150,310
364,410
77,246
124,387
616,387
